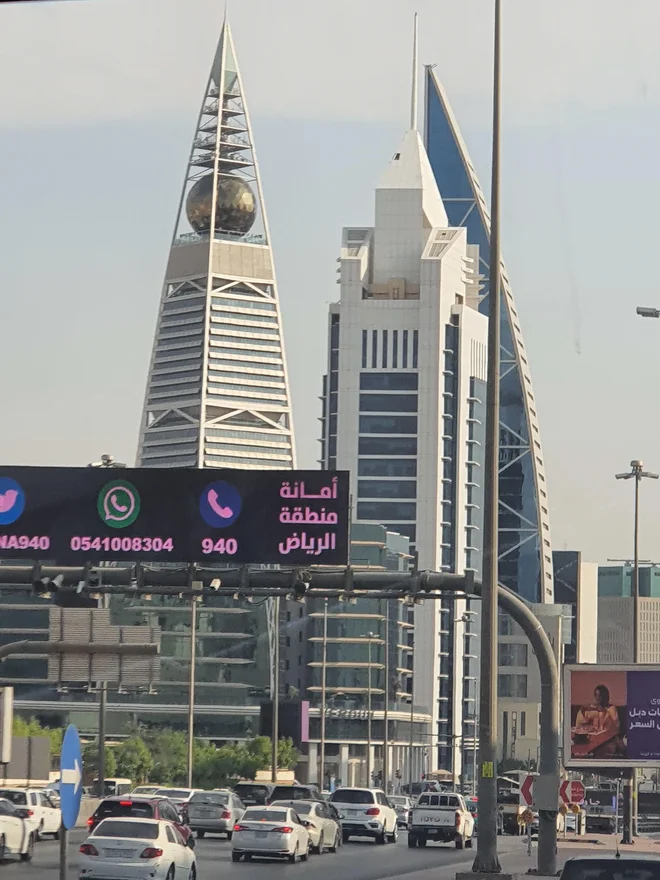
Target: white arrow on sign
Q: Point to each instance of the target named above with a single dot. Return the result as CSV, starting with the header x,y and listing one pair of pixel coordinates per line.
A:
x,y
72,776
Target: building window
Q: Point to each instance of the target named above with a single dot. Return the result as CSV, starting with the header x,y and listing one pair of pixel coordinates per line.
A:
x,y
388,381
364,349
395,348
404,351
386,510
407,529
384,349
513,655
386,446
415,349
387,489
388,425
374,348
384,403
523,723
376,467
511,685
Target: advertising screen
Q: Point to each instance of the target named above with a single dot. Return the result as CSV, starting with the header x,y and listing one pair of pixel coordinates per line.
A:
x,y
71,516
611,716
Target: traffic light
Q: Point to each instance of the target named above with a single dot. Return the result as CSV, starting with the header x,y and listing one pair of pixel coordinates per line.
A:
x,y
51,588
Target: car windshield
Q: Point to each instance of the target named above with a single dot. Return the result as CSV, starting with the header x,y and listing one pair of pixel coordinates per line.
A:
x,y
290,793
16,797
133,830
398,801
125,808
264,816
248,791
175,793
209,797
301,808
352,796
611,869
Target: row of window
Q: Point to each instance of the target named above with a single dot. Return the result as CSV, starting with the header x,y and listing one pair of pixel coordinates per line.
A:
x,y
385,511
386,403
389,381
387,354
377,467
387,488
387,446
388,425
257,304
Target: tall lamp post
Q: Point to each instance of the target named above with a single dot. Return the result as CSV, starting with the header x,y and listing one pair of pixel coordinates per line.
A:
x,y
324,670
636,473
487,860
370,636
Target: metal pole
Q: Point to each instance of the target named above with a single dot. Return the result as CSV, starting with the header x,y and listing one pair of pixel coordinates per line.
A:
x,y
486,860
275,696
64,848
324,662
369,717
103,702
191,693
633,772
410,748
386,717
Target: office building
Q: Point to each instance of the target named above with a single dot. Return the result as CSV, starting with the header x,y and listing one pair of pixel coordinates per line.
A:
x,y
217,391
403,411
525,548
616,580
616,618
576,586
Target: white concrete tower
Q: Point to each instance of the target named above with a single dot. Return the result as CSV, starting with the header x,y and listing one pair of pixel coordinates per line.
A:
x,y
404,404
217,392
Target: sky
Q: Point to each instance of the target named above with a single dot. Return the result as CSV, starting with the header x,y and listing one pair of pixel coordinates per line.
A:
x,y
98,102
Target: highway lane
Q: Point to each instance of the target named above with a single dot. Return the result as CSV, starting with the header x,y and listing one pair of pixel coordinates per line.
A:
x,y
357,860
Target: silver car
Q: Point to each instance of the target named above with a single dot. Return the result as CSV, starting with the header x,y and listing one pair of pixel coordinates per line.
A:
x,y
214,812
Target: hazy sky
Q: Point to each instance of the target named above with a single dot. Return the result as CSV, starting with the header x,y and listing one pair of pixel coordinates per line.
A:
x,y
97,107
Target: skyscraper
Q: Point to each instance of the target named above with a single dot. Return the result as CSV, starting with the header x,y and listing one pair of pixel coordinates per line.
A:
x,y
217,391
524,537
404,411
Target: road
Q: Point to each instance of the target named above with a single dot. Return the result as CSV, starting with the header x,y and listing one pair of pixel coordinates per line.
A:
x,y
359,861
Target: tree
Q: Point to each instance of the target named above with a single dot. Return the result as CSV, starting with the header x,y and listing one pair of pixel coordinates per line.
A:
x,y
90,756
287,754
32,727
169,750
134,759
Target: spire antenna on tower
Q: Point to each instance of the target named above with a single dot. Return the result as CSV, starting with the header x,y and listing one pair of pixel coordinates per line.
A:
x,y
415,64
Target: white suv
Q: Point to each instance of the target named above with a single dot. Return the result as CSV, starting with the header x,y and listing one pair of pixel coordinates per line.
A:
x,y
47,816
366,812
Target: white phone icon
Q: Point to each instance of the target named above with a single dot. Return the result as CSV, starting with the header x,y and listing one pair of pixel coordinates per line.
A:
x,y
120,508
218,509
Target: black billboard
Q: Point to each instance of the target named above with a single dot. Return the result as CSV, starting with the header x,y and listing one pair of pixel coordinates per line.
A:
x,y
76,515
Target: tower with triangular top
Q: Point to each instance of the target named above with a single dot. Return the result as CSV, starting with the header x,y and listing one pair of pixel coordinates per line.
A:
x,y
217,392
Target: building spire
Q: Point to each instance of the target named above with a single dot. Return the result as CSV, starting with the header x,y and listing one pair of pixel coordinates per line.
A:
x,y
415,64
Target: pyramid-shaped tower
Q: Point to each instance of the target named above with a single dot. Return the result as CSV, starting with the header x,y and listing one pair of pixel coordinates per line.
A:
x,y
217,391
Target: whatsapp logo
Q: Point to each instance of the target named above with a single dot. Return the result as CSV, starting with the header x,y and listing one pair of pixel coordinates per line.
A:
x,y
118,504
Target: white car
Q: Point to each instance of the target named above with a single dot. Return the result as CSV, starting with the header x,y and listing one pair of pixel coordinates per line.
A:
x,y
48,816
136,849
18,831
324,832
403,805
274,832
366,812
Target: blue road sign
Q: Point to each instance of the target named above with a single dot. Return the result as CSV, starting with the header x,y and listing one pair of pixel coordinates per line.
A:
x,y
70,777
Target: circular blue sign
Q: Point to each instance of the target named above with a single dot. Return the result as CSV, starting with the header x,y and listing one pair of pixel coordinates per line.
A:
x,y
220,504
12,501
71,771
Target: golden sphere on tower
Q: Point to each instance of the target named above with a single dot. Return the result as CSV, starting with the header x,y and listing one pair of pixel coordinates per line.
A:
x,y
235,207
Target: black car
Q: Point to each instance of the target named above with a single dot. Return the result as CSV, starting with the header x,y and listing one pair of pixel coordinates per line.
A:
x,y
295,792
254,794
612,867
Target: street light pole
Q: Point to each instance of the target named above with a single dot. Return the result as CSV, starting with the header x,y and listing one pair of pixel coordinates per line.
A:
x,y
275,696
636,473
369,716
191,693
386,717
487,860
324,666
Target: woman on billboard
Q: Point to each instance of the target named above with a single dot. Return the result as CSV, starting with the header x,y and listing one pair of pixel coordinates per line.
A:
x,y
598,732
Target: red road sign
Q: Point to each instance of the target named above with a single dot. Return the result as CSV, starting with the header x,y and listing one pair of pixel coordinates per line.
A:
x,y
526,790
572,792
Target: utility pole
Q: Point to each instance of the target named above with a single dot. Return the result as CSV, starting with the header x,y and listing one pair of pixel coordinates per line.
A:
x,y
636,473
324,666
411,777
386,715
369,636
487,860
191,686
275,696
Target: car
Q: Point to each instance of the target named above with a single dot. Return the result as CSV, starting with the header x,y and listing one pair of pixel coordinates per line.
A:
x,y
271,832
366,812
254,794
145,790
324,831
640,866
403,805
18,831
48,816
214,812
180,797
295,792
123,806
136,849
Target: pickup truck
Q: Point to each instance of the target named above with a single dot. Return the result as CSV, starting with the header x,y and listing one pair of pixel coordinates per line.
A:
x,y
442,817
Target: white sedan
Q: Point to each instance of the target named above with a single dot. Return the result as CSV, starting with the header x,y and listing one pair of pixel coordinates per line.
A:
x,y
18,831
324,832
136,849
271,832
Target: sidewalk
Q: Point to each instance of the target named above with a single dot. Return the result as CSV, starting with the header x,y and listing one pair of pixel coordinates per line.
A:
x,y
573,845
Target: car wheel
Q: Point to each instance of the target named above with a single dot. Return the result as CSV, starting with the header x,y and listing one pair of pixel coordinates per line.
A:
x,y
335,846
469,842
40,831
29,852
317,850
229,834
3,846
56,834
235,857
345,837
170,873
193,873
394,836
304,856
412,841
421,841
201,834
460,843
382,837
293,858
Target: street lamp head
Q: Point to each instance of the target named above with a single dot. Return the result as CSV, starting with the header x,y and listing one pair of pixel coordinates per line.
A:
x,y
646,312
636,463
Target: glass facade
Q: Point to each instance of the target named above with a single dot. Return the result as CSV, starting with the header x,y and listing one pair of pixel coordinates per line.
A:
x,y
523,536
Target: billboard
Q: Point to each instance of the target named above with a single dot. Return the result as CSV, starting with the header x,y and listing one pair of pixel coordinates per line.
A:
x,y
70,516
611,716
